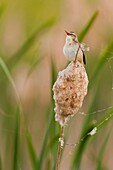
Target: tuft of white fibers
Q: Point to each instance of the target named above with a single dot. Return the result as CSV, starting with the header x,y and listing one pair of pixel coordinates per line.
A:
x,y
61,142
69,90
93,132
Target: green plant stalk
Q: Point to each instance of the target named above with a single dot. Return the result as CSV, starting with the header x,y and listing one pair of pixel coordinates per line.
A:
x,y
7,73
88,26
101,153
87,135
104,56
16,141
60,148
31,150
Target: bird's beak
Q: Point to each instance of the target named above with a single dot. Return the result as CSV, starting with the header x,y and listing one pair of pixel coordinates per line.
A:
x,y
67,33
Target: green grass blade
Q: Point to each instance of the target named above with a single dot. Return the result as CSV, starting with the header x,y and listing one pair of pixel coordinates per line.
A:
x,y
88,26
81,148
34,65
55,130
7,73
29,42
101,154
16,141
51,122
40,162
52,142
108,117
103,59
31,150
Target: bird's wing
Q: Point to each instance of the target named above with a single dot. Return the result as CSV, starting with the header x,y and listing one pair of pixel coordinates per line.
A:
x,y
84,58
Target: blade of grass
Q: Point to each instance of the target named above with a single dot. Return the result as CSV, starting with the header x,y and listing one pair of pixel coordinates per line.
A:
x,y
98,126
34,65
7,73
16,141
28,43
101,154
52,142
81,148
88,26
31,150
105,120
17,116
55,130
51,122
40,162
103,58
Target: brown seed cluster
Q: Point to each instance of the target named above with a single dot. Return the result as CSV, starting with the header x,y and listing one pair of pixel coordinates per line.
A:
x,y
70,89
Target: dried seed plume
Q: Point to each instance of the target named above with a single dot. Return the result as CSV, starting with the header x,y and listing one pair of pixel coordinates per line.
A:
x,y
70,89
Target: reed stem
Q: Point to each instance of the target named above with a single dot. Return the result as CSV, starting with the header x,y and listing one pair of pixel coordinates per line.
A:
x,y
60,145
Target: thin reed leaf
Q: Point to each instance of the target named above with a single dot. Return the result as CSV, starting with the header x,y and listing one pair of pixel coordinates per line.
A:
x,y
7,73
105,120
52,143
16,141
86,135
29,42
87,28
82,145
51,123
41,157
101,154
31,150
34,65
101,63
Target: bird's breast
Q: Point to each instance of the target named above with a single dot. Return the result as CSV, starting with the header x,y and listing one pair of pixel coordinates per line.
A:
x,y
70,51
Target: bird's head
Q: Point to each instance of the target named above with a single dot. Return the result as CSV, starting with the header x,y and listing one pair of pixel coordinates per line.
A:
x,y
71,37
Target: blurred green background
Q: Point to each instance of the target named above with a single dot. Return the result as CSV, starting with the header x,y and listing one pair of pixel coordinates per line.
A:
x,y
31,42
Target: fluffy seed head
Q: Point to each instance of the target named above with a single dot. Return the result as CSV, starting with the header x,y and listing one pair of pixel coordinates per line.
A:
x,y
70,89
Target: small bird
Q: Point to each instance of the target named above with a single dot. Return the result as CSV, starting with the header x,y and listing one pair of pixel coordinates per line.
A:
x,y
72,49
